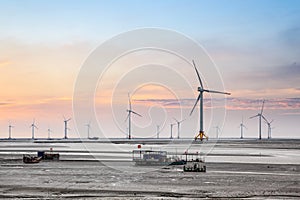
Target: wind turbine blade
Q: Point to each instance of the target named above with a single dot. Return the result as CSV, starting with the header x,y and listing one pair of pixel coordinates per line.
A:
x,y
129,101
176,120
136,113
253,116
262,108
271,121
213,91
265,119
199,96
198,75
69,119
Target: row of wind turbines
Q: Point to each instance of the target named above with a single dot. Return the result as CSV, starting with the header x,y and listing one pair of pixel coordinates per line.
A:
x,y
200,98
129,118
260,117
33,127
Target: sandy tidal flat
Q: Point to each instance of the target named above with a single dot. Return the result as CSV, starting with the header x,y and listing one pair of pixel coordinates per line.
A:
x,y
94,180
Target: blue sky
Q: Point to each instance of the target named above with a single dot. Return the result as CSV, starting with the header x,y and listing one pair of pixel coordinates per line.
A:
x,y
255,43
60,20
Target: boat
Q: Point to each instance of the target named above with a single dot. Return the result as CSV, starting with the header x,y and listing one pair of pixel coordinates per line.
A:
x,y
31,159
194,165
154,158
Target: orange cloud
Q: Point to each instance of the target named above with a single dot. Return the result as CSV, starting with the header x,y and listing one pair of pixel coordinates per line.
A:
x,y
5,63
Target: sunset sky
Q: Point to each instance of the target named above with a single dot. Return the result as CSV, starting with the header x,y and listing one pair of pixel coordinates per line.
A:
x,y
255,45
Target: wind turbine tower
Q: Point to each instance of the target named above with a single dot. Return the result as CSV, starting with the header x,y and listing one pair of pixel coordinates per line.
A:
x,y
269,128
201,90
88,129
49,133
242,126
178,126
217,131
260,115
33,126
157,131
171,126
130,111
66,127
9,130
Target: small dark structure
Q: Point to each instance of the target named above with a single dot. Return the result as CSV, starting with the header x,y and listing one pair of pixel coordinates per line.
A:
x,y
29,159
154,158
194,165
48,155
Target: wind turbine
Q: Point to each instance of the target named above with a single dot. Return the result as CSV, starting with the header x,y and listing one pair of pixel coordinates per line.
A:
x,y
260,115
129,110
9,130
66,127
178,126
33,126
217,131
242,126
171,137
157,131
269,127
49,132
88,129
201,90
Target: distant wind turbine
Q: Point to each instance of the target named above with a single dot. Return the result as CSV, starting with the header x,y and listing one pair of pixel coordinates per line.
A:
x,y
66,127
129,110
217,131
33,126
9,130
201,90
157,131
49,133
269,127
260,115
242,126
171,126
88,129
178,126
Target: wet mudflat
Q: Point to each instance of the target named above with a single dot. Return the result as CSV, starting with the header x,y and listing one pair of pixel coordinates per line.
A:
x,y
95,180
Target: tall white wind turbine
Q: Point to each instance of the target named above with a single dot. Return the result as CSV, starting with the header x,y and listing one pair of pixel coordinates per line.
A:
x,y
242,126
49,133
201,90
260,116
269,127
171,127
130,111
178,126
88,129
217,131
9,130
33,126
66,127
157,131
